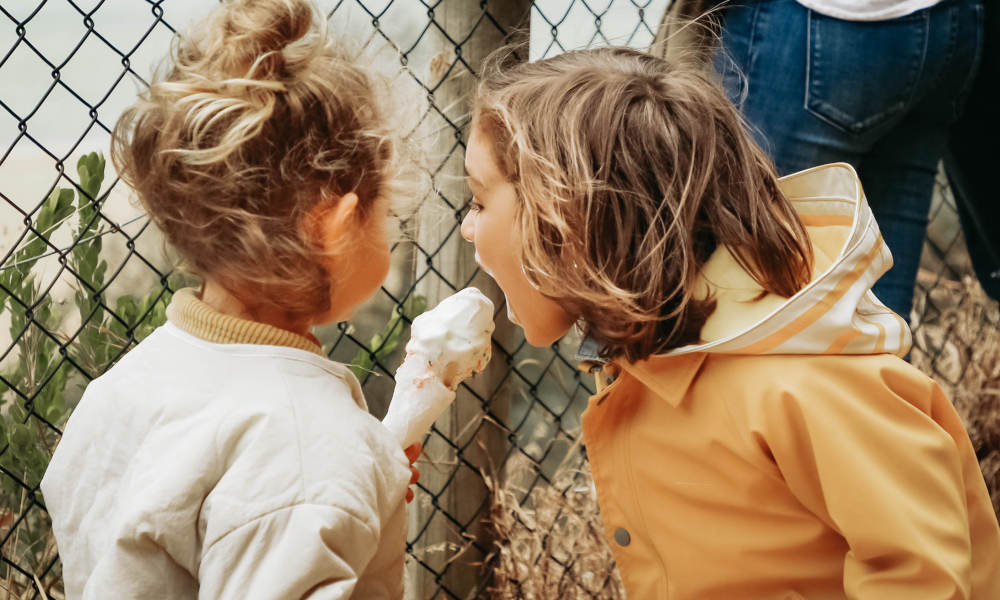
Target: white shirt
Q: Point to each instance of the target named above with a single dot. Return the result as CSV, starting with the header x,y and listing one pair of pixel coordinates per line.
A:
x,y
200,470
867,10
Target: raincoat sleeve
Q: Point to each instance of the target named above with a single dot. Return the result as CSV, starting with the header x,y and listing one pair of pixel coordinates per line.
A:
x,y
302,551
859,446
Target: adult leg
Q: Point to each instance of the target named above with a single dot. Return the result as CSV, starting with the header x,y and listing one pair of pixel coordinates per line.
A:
x,y
765,62
970,159
898,172
820,90
899,178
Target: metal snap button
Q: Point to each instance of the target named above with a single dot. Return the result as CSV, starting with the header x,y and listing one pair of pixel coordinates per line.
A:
x,y
622,537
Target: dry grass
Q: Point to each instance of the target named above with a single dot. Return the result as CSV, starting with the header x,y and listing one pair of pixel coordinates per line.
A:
x,y
958,344
550,545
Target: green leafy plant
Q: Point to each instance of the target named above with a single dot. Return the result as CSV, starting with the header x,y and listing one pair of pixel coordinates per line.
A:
x,y
41,375
383,344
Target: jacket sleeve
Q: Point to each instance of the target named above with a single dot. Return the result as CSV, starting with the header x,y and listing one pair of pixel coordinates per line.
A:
x,y
859,448
383,579
302,551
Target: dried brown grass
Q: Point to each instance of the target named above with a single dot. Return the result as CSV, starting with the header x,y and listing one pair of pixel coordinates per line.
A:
x,y
957,342
549,540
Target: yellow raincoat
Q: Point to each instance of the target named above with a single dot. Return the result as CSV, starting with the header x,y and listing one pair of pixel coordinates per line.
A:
x,y
793,454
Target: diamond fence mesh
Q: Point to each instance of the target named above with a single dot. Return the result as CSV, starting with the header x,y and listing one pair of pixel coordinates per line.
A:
x,y
504,507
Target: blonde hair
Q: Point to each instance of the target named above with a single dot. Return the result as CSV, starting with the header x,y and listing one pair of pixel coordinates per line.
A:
x,y
630,172
259,119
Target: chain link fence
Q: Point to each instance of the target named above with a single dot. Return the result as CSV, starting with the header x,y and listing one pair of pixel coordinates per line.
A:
x,y
505,506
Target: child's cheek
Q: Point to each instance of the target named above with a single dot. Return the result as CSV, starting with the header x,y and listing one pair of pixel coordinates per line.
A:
x,y
488,247
382,267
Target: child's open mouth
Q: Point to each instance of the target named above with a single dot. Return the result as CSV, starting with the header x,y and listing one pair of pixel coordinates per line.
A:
x,y
510,312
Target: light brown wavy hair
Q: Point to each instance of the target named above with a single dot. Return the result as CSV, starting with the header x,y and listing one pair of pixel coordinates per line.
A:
x,y
259,118
630,173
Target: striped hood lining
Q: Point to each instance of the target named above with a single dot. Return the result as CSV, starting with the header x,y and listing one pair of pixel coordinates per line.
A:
x,y
836,313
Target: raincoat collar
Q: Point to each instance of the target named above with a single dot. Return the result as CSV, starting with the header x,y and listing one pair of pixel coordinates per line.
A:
x,y
669,377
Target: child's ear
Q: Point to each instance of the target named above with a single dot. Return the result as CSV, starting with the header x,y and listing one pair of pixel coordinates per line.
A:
x,y
336,221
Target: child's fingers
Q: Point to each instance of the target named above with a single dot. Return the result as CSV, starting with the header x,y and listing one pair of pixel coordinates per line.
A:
x,y
413,452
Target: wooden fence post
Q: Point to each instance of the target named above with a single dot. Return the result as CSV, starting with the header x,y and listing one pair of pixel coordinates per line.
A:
x,y
451,519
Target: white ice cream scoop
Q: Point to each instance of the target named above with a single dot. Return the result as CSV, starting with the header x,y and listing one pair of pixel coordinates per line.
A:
x,y
447,344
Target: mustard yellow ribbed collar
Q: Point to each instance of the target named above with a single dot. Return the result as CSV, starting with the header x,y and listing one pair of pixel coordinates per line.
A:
x,y
190,314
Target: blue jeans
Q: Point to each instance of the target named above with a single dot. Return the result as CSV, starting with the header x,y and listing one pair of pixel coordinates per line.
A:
x,y
879,95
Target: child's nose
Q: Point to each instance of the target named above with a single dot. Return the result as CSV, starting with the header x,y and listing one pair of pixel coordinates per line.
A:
x,y
468,228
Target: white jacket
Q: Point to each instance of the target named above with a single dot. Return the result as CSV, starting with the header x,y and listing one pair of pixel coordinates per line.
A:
x,y
201,470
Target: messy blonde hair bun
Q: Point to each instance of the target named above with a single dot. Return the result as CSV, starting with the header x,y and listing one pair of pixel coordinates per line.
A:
x,y
259,118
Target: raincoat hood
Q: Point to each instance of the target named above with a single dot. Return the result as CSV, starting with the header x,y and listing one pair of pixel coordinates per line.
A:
x,y
836,312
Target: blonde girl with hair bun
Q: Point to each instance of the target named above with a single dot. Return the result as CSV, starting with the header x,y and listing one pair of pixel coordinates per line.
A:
x,y
226,456
755,433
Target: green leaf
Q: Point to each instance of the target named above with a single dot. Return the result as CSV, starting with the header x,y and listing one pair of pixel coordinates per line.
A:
x,y
91,170
36,462
17,321
54,210
17,413
20,439
116,327
154,307
46,214
128,311
100,272
159,316
10,279
15,376
53,414
47,313
42,362
51,400
383,344
83,305
62,208
86,253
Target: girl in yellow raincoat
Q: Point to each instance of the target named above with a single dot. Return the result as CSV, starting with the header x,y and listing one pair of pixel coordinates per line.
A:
x,y
755,433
